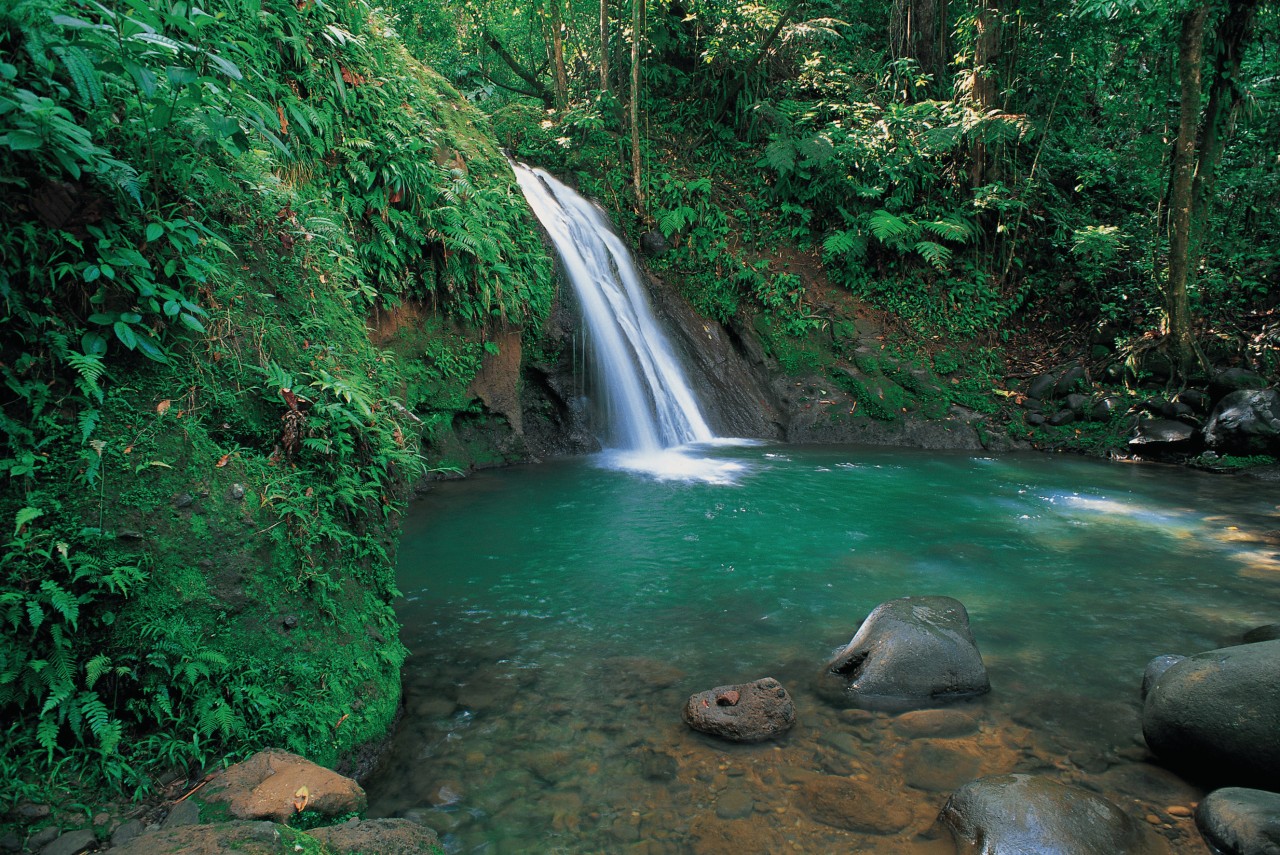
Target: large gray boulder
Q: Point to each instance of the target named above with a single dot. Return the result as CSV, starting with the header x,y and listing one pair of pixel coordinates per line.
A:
x,y
909,653
1216,715
1236,821
748,712
1025,814
1245,422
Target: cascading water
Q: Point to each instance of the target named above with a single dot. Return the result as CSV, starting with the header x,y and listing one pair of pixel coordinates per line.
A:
x,y
652,412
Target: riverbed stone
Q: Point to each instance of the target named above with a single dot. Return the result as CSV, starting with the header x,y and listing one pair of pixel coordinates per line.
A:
x,y
1021,814
854,805
383,836
242,838
1216,715
72,843
1246,421
909,653
1163,435
1239,821
748,712
1268,632
268,786
1235,380
1155,668
936,723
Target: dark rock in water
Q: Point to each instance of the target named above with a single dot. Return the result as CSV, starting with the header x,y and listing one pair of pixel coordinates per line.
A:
x,y
909,653
1023,814
1216,715
657,765
1236,821
1062,417
653,243
1163,435
1042,386
1246,422
1106,408
1070,379
1234,380
1155,668
750,712
1270,632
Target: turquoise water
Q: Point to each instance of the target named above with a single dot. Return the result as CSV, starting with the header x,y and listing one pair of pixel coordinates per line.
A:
x,y
558,616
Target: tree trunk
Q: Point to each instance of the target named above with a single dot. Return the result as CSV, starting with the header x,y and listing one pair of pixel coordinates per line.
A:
x,y
739,80
916,32
537,88
1225,95
637,23
604,45
982,82
557,56
1177,302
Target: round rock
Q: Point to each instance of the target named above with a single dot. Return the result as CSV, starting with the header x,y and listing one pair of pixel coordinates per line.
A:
x,y
1155,668
1237,821
1245,422
748,712
1020,814
909,653
1217,715
1269,632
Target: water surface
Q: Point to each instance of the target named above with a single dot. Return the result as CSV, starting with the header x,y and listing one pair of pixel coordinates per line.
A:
x,y
559,615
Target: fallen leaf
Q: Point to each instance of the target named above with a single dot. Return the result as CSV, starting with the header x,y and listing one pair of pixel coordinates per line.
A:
x,y
223,460
163,406
300,799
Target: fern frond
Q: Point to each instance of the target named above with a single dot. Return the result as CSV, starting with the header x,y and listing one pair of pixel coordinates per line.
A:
x,y
890,228
80,67
935,253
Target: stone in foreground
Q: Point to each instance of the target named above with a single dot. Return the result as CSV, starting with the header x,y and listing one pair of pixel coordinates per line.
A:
x,y
1021,814
749,712
1237,821
1216,715
276,784
909,653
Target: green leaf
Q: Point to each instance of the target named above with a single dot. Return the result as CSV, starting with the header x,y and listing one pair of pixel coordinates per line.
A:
x,y
124,332
21,140
25,516
154,232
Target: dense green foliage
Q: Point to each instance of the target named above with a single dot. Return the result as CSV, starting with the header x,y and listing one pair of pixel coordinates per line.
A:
x,y
1001,169
204,452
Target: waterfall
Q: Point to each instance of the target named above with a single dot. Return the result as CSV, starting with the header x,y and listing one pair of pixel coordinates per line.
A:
x,y
646,395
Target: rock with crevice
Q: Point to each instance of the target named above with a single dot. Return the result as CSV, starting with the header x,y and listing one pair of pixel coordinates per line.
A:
x,y
909,653
748,712
1245,422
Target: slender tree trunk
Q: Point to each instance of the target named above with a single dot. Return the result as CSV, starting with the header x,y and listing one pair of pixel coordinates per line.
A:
x,y
604,45
1225,95
536,87
982,82
637,23
740,80
1177,302
557,55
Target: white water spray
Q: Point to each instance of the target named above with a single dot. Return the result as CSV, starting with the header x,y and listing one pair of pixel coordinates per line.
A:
x,y
651,410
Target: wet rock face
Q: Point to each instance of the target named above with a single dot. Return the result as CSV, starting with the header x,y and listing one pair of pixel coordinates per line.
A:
x,y
1217,715
1237,821
909,653
1245,422
750,712
275,784
1017,814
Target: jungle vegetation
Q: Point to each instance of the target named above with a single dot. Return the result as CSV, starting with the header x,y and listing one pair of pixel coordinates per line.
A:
x,y
206,208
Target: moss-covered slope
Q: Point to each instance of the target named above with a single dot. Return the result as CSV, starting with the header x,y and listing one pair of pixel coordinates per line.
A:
x,y
205,451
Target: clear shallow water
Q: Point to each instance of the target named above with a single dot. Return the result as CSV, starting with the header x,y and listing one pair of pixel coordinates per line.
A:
x,y
558,616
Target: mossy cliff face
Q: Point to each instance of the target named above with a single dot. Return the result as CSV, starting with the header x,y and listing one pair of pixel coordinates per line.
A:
x,y
220,365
